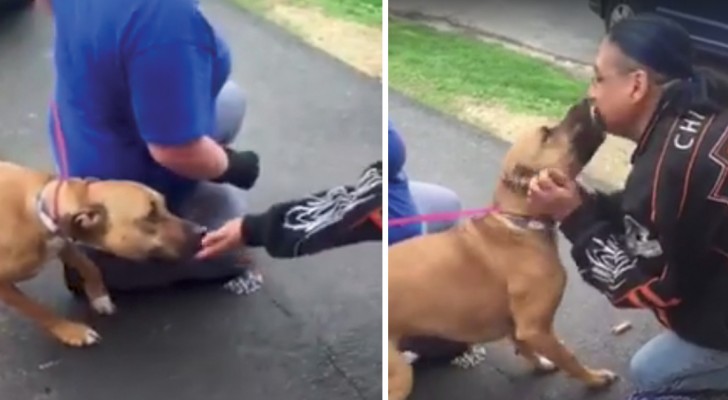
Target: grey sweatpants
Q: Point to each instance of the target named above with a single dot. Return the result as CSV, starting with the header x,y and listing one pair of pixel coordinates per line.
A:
x,y
210,205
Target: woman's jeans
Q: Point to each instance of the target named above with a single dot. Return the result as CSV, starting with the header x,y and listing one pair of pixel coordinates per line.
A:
x,y
430,198
669,364
210,205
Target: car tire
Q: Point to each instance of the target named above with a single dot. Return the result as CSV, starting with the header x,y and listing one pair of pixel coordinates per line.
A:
x,y
620,9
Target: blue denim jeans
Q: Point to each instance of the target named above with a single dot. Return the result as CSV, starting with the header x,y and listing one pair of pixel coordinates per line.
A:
x,y
668,364
430,198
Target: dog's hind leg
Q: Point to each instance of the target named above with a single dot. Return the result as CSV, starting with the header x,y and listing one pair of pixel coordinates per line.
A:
x,y
70,333
93,282
400,374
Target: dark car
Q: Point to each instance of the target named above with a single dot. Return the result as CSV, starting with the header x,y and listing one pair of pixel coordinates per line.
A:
x,y
706,21
9,5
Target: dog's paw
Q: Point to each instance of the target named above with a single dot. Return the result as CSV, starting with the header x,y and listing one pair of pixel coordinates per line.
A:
x,y
601,378
103,305
75,334
544,365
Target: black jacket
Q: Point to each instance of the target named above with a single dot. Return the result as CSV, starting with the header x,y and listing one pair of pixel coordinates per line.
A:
x,y
662,242
339,216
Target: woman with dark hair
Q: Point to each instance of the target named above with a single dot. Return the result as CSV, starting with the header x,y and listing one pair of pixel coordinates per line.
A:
x,y
661,243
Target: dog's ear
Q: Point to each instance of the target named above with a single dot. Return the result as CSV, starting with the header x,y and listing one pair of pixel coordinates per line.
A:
x,y
88,221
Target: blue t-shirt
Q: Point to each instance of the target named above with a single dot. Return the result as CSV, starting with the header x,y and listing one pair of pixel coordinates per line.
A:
x,y
401,203
130,73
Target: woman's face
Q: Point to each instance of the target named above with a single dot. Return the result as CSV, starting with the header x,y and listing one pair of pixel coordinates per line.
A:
x,y
619,89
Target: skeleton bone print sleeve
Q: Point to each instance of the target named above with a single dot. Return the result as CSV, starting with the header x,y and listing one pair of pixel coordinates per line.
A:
x,y
336,217
621,255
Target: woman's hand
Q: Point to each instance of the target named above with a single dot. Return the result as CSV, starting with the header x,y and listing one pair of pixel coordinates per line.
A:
x,y
553,193
224,239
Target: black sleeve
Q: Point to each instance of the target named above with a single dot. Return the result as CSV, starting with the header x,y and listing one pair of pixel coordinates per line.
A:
x,y
631,273
609,205
327,219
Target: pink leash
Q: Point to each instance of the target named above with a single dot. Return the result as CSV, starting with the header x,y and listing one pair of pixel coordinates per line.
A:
x,y
446,216
62,155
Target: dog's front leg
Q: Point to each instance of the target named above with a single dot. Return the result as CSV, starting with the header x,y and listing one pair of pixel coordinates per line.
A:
x,y
534,328
68,332
538,362
93,282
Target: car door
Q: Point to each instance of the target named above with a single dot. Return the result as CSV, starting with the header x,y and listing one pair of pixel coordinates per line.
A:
x,y
707,21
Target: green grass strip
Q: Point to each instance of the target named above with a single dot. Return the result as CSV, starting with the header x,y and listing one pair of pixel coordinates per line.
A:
x,y
440,67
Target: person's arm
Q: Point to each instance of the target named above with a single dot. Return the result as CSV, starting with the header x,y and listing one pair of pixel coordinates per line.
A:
x,y
339,216
202,159
336,217
171,94
624,258
609,205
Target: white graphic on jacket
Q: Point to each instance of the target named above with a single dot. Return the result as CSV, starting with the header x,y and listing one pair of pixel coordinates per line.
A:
x,y
638,239
609,263
612,258
320,211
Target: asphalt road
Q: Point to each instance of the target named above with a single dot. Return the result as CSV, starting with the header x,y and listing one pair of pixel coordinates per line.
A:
x,y
565,28
314,332
445,151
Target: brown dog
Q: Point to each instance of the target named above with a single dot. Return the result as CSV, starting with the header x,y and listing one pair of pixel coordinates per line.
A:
x,y
43,218
498,276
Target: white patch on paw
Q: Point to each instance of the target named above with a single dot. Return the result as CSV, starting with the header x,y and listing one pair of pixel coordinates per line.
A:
x,y
92,337
103,305
410,357
544,364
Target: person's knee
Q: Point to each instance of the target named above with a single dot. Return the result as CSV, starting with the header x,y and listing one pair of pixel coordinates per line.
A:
x,y
231,106
434,198
450,199
642,372
667,363
431,198
649,368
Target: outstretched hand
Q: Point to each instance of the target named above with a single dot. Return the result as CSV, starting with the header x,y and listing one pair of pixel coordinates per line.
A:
x,y
222,240
554,193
